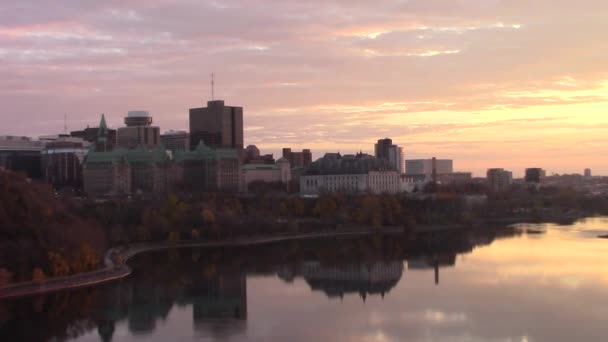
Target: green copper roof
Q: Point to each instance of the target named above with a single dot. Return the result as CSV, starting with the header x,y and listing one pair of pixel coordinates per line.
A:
x,y
138,155
204,152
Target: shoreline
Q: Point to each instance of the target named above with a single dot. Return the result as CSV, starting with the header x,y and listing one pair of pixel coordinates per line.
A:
x,y
113,270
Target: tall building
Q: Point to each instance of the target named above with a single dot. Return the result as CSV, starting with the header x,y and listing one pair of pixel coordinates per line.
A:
x,y
217,126
90,134
382,148
588,173
298,159
386,150
138,131
176,141
62,162
535,175
499,180
21,154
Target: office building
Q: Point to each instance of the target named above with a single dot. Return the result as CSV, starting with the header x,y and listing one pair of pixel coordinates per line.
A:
x,y
499,180
298,159
217,126
386,150
62,161
21,154
429,167
588,174
138,131
176,141
535,175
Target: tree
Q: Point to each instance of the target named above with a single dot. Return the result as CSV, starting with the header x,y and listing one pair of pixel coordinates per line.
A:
x,y
58,264
6,277
38,274
325,207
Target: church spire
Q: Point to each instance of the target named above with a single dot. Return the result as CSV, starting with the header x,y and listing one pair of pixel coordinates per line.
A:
x,y
102,134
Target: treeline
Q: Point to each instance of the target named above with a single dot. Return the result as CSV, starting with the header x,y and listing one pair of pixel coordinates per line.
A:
x,y
40,236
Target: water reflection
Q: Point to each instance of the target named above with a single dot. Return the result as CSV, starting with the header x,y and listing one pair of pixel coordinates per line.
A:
x,y
496,284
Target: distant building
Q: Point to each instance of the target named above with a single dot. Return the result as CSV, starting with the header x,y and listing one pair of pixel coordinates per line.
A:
x,y
268,173
428,167
298,159
535,175
62,162
90,134
385,150
176,141
138,131
588,173
499,180
207,169
376,182
123,171
217,126
21,154
455,178
252,152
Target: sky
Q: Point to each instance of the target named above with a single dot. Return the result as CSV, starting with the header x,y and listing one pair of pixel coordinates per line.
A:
x,y
488,83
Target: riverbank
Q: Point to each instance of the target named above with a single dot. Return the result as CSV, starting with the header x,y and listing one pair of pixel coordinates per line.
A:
x,y
115,259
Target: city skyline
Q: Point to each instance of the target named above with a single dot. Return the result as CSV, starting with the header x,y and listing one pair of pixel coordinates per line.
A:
x,y
505,84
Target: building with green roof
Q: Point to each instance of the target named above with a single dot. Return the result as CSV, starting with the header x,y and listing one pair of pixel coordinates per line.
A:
x,y
207,169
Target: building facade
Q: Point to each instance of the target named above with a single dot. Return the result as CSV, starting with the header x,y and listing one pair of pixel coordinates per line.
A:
x,y
298,159
217,126
429,167
122,171
138,131
376,182
280,172
207,169
62,162
499,180
535,175
386,150
21,154
176,141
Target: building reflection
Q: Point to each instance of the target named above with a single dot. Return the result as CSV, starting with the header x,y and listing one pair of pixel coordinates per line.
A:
x,y
366,279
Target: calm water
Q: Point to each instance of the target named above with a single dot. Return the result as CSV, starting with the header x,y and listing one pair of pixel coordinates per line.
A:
x,y
533,283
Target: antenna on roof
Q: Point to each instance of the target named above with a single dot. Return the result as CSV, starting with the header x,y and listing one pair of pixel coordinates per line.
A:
x,y
65,123
212,87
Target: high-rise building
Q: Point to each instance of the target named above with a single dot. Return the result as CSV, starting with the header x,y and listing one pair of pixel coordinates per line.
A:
x,y
499,180
298,159
176,141
386,150
588,173
139,131
535,175
217,125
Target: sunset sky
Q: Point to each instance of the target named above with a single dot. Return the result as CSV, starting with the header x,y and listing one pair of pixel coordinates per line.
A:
x,y
489,83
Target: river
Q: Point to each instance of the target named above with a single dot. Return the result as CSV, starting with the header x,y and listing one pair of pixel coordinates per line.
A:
x,y
523,283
